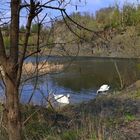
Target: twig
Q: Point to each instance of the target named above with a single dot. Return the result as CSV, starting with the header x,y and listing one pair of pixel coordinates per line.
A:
x,y
118,72
30,117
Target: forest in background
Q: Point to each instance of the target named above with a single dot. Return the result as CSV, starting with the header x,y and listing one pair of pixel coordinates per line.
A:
x,y
110,32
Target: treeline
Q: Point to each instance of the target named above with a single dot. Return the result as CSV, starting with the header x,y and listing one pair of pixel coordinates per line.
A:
x,y
107,22
128,15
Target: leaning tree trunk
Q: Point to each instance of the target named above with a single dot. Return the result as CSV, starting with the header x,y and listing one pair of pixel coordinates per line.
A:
x,y
12,106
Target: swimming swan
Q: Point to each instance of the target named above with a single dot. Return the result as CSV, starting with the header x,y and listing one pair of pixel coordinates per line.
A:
x,y
61,98
103,88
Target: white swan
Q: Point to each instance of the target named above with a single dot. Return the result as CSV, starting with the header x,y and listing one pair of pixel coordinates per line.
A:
x,y
103,88
61,98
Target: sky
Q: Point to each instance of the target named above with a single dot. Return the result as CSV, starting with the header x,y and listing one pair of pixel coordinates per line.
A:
x,y
93,5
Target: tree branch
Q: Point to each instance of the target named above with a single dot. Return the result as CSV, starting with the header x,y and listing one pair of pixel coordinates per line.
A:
x,y
2,48
43,6
34,11
32,53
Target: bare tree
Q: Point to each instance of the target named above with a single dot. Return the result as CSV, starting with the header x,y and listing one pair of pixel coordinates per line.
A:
x,y
11,63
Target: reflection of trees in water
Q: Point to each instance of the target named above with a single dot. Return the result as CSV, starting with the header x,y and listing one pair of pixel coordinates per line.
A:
x,y
32,86
2,89
128,72
92,74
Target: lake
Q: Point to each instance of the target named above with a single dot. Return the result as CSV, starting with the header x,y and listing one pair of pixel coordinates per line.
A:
x,y
81,78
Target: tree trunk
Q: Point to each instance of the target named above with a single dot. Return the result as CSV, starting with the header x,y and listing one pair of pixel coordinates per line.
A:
x,y
12,105
12,100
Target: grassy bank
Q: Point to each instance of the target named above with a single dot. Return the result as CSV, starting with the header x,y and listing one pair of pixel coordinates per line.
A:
x,y
112,117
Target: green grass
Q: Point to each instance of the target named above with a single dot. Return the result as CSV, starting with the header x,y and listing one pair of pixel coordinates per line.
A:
x,y
69,135
129,117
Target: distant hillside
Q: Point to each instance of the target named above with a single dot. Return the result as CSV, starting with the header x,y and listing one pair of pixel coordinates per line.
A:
x,y
116,33
111,32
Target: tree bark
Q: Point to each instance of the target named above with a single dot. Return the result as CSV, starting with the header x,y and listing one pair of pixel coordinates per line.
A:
x,y
11,68
12,105
14,30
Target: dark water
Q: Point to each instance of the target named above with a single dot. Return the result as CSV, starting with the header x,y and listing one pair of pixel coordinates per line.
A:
x,y
82,77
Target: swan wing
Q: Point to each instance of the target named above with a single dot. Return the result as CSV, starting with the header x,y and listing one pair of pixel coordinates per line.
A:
x,y
103,88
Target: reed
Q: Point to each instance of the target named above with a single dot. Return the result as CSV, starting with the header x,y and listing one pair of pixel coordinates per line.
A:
x,y
41,67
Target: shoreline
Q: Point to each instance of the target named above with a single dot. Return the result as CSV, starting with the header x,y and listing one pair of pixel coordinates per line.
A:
x,y
84,56
41,67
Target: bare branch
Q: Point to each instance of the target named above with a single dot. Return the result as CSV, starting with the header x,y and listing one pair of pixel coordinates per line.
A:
x,y
42,6
80,26
71,28
33,12
30,116
35,52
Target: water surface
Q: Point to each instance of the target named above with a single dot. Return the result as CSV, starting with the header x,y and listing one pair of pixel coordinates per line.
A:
x,y
81,78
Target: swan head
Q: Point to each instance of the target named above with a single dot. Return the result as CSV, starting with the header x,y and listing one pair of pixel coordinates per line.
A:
x,y
68,96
